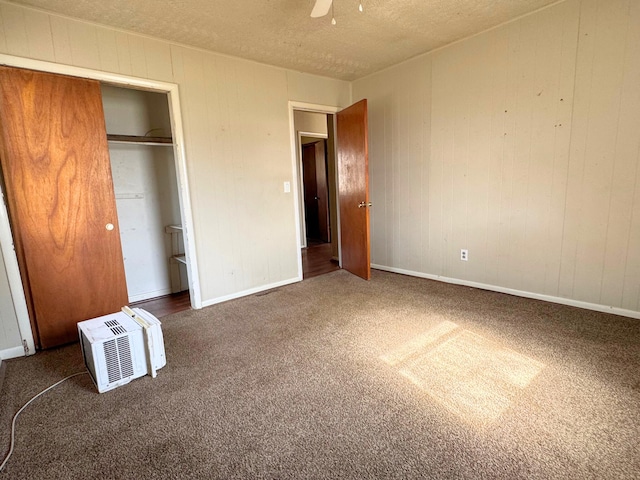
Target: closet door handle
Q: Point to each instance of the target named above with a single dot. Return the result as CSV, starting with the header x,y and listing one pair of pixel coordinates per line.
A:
x,y
109,226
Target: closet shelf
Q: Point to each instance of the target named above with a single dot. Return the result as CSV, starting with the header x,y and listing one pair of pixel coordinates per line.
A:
x,y
180,258
163,141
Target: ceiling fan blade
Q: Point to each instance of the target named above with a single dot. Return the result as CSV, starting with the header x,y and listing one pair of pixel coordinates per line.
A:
x,y
321,8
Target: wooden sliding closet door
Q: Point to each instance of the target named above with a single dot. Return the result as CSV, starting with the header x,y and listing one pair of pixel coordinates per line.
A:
x,y
55,162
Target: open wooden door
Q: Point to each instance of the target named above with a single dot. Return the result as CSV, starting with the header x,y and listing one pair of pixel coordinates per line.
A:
x,y
353,188
55,162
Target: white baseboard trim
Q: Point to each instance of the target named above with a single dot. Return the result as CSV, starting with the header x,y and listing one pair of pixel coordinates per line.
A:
x,y
520,293
148,295
251,291
14,352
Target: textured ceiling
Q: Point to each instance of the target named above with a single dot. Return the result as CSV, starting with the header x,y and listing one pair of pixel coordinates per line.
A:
x,y
281,32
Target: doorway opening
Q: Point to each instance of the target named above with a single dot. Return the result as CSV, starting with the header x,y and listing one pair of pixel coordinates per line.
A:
x,y
317,192
347,142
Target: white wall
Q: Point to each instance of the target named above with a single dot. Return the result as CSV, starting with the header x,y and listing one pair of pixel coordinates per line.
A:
x,y
135,112
310,122
16,337
10,337
522,145
144,180
244,224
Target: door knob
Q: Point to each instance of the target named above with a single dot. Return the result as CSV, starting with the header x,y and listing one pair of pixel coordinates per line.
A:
x,y
362,204
109,226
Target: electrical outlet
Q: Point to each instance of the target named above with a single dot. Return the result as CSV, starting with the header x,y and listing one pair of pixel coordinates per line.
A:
x,y
287,187
464,255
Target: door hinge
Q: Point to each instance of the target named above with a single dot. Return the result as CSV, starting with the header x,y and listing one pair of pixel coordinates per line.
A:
x,y
26,347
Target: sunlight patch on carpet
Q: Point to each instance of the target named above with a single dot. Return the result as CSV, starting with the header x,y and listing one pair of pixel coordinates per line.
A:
x,y
468,374
419,344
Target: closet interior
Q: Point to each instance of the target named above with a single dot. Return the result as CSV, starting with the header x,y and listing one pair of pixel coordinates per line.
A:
x,y
146,191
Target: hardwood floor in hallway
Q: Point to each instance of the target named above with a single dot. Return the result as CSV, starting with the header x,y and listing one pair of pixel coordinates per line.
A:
x,y
316,260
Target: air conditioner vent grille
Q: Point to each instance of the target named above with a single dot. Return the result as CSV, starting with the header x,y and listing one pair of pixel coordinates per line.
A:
x,y
117,353
111,357
124,352
115,327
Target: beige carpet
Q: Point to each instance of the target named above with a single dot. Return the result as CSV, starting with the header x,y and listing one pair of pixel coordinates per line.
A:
x,y
335,377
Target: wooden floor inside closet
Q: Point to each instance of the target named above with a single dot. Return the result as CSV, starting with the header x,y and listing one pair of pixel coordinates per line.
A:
x,y
166,305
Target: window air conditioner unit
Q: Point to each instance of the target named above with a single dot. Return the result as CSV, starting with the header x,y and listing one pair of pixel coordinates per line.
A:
x,y
122,346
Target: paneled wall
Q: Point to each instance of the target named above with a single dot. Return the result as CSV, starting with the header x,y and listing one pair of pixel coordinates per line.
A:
x,y
236,125
601,242
521,145
399,102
